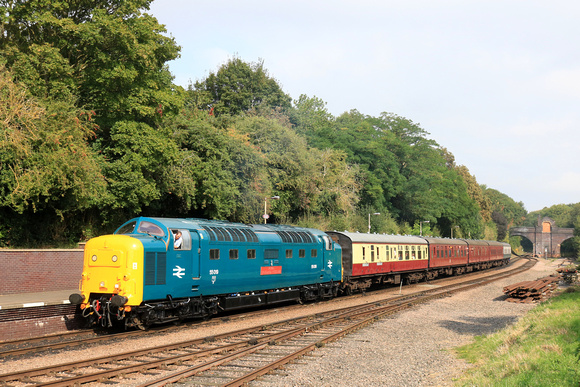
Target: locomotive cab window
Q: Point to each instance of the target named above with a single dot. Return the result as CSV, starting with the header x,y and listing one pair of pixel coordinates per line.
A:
x,y
129,228
181,239
150,229
327,242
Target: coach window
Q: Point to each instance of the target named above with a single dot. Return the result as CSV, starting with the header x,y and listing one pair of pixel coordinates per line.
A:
x,y
251,254
301,253
372,253
363,253
288,253
419,253
400,255
214,254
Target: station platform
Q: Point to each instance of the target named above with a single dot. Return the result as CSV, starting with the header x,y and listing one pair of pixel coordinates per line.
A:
x,y
30,300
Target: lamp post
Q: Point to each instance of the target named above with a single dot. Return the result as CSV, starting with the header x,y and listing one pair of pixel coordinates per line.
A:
x,y
376,213
421,226
456,227
266,216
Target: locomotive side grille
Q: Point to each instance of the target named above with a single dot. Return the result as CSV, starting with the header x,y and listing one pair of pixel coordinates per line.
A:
x,y
230,234
284,236
155,268
221,234
296,237
149,268
250,235
161,268
212,236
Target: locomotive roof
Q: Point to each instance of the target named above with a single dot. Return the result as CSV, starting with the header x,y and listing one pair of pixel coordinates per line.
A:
x,y
381,238
198,222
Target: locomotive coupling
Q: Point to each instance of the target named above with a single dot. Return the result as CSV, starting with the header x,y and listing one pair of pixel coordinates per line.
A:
x,y
76,299
118,300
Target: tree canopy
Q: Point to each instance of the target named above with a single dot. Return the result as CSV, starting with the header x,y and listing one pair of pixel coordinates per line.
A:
x,y
94,131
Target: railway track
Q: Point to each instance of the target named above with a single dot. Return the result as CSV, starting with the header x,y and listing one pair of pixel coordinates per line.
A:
x,y
90,337
236,357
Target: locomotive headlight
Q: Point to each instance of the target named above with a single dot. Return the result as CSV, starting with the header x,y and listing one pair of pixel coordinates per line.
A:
x,y
114,258
94,258
102,284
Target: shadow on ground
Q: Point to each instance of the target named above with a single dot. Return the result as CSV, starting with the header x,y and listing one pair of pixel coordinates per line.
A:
x,y
478,325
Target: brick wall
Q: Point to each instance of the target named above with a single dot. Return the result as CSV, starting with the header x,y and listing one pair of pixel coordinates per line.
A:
x,y
24,329
30,271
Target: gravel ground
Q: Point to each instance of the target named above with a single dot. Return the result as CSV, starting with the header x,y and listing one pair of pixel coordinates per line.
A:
x,y
409,349
412,348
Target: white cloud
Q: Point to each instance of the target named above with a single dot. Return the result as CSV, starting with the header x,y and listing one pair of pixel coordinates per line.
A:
x,y
564,82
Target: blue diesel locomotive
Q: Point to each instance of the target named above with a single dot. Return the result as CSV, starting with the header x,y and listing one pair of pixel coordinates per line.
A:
x,y
154,270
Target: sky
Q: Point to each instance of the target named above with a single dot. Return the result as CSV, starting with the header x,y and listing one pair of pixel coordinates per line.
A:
x,y
496,82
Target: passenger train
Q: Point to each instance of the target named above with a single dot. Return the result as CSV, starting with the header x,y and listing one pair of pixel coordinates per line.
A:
x,y
155,270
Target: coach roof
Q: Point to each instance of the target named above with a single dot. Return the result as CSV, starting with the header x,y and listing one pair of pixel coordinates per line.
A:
x,y
381,238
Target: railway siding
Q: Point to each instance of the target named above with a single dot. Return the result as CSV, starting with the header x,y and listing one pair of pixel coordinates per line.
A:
x,y
365,305
413,348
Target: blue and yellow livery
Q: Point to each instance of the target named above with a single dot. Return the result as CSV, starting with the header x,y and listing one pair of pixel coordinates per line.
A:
x,y
143,275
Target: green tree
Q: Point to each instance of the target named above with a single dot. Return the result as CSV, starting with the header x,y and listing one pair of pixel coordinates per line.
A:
x,y
109,54
473,188
138,164
308,180
228,172
238,87
514,212
47,169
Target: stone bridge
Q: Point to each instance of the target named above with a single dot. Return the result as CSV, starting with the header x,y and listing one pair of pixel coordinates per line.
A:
x,y
545,237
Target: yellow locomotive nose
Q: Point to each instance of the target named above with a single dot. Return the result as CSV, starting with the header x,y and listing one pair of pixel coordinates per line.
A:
x,y
113,264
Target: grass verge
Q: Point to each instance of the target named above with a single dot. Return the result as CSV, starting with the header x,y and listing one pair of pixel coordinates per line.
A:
x,y
542,349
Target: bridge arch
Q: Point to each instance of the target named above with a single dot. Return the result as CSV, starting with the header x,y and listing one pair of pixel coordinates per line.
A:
x,y
545,237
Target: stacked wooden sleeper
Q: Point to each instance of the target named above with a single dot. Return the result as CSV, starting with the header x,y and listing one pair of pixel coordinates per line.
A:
x,y
532,291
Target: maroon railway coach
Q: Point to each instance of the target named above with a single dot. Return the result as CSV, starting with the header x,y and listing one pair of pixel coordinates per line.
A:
x,y
369,259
